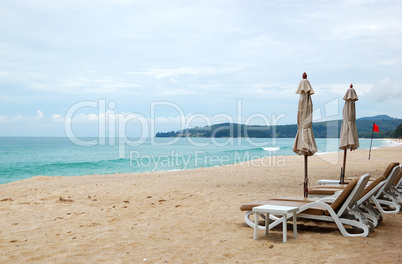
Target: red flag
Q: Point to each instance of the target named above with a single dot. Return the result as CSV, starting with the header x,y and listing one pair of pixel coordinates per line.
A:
x,y
376,128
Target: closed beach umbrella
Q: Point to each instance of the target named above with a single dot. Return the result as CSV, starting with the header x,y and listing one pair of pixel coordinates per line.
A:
x,y
348,136
305,142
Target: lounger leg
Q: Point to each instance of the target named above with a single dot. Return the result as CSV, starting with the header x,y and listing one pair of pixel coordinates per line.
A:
x,y
256,226
266,223
294,225
285,221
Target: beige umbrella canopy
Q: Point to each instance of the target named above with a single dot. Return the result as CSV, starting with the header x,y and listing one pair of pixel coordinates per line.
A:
x,y
304,141
348,136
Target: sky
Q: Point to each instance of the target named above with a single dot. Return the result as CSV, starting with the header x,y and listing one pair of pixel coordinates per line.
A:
x,y
134,68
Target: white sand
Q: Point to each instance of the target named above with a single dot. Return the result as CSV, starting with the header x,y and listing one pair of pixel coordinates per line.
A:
x,y
189,216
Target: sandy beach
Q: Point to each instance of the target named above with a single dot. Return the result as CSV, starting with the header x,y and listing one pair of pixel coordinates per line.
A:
x,y
189,216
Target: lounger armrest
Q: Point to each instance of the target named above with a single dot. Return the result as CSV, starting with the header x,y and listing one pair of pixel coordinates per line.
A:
x,y
324,182
328,199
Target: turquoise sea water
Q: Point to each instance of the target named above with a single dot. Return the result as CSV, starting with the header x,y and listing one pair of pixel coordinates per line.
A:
x,y
25,157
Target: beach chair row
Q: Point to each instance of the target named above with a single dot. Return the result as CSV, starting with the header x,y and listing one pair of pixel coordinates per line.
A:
x,y
360,203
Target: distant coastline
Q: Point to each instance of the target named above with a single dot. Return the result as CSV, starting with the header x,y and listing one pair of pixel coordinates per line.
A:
x,y
328,129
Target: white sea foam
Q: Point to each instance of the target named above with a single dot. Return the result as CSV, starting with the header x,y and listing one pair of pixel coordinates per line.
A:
x,y
391,142
322,153
272,148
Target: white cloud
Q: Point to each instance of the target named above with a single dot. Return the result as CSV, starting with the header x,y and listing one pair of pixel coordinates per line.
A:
x,y
168,73
341,88
388,62
160,73
40,114
385,90
57,118
202,55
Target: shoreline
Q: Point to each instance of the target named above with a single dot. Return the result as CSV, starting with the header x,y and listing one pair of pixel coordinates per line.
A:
x,y
189,216
397,141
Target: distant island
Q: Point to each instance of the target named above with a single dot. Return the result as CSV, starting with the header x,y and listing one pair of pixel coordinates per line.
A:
x,y
389,128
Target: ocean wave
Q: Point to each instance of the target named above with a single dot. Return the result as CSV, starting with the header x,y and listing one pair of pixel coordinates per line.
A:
x,y
271,148
322,153
258,149
86,163
58,168
242,150
391,142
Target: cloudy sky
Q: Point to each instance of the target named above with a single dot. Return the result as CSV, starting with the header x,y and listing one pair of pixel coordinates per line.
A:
x,y
149,66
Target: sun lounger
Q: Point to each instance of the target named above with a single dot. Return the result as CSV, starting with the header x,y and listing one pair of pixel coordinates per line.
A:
x,y
384,198
364,203
386,194
398,182
348,179
331,209
387,171
396,188
328,189
371,206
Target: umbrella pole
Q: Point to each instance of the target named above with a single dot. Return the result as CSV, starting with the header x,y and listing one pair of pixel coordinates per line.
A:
x,y
305,185
343,168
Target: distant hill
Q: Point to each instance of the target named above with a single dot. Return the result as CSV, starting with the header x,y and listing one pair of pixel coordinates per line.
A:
x,y
327,129
377,117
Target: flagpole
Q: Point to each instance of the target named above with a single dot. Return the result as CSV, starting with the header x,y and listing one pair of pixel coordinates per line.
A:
x,y
372,132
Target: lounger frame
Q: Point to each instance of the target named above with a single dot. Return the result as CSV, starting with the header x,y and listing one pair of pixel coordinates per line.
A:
x,y
346,215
